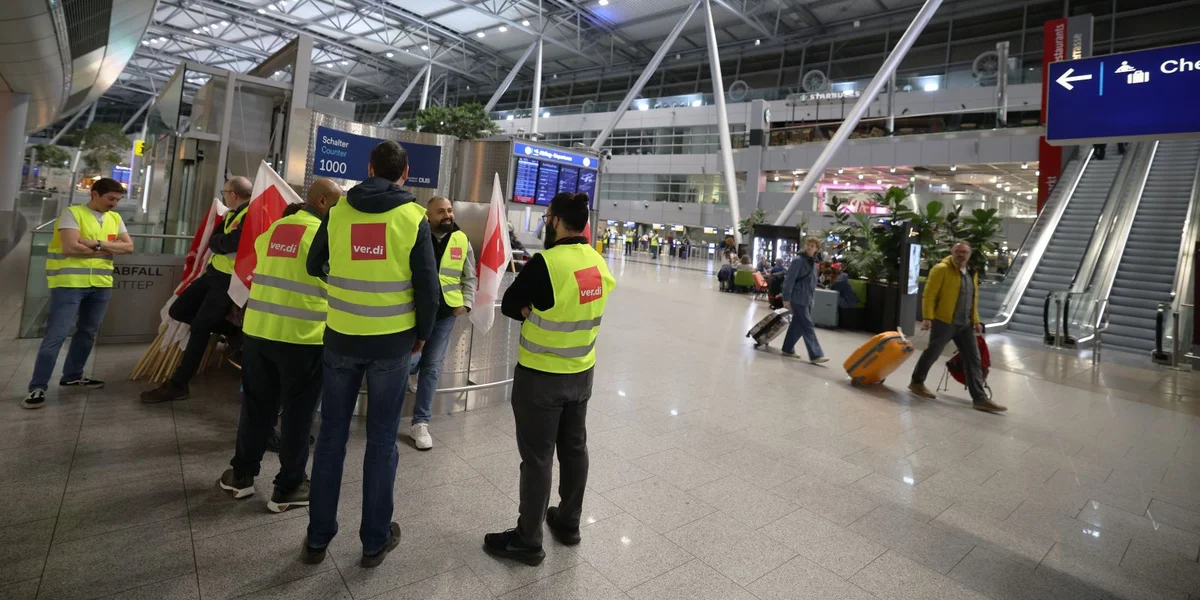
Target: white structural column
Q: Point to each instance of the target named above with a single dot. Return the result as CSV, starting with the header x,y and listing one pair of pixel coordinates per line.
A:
x,y
425,87
403,96
714,64
13,110
508,79
864,102
645,76
1002,84
891,104
537,88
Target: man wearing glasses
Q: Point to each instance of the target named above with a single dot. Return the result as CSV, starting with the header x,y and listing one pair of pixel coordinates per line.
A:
x,y
205,303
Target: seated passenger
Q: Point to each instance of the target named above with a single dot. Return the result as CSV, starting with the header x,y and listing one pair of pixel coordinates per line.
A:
x,y
745,265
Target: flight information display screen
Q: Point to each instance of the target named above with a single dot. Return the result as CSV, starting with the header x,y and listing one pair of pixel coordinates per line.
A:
x,y
587,185
547,183
525,183
567,179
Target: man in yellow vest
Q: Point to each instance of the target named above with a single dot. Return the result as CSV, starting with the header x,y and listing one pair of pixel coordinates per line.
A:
x,y
79,272
456,272
284,326
654,241
628,242
559,297
205,303
382,282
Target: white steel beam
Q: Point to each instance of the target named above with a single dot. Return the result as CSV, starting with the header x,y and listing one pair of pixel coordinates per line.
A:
x,y
714,64
508,79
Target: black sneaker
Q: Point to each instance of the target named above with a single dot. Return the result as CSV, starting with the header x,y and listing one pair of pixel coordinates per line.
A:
x,y
565,536
165,393
273,442
312,556
240,487
373,560
509,545
34,399
84,382
281,500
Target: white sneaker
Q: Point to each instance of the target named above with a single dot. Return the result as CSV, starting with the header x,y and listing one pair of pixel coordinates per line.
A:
x,y
420,436
412,384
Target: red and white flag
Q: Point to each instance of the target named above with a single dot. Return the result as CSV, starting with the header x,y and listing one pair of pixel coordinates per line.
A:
x,y
493,261
271,195
193,267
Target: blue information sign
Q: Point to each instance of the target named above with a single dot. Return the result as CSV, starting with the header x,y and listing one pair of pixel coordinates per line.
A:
x,y
555,155
345,155
1150,94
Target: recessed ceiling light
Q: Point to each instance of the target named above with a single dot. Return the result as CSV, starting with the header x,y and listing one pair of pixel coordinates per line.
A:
x,y
776,177
835,182
162,39
860,175
878,182
546,114
998,186
480,34
502,29
345,62
757,42
953,167
509,117
1008,188
224,23
840,171
425,47
603,3
1024,165
195,31
262,12
389,55
1037,173
913,178
892,170
525,23
697,103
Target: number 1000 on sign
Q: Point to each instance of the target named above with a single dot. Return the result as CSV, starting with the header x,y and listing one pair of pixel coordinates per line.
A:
x,y
332,166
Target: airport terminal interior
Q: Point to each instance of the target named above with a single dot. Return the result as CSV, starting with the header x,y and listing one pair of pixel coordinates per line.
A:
x,y
749,167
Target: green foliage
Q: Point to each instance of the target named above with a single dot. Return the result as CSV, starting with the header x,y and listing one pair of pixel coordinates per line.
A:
x,y
465,122
52,155
103,145
864,256
746,226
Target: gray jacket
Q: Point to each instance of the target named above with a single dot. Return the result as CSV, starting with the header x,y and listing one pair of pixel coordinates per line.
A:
x,y
800,284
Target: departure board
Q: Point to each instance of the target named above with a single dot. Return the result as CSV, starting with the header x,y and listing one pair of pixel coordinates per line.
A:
x,y
587,185
567,178
525,184
547,183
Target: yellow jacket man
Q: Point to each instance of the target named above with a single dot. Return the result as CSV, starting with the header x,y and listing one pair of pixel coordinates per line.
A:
x,y
950,311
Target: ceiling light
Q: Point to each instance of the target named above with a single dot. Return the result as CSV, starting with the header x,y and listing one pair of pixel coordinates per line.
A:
x,y
998,186
1024,165
195,31
468,87
145,43
224,23
503,29
556,75
931,86
345,62
1008,188
525,23
546,115
777,177
425,47
205,28
835,182
860,175
603,3
953,167
262,12
757,42
1037,173
509,117
878,182
643,107
479,34
913,179
389,55
892,170
162,39
1029,197
697,103
840,171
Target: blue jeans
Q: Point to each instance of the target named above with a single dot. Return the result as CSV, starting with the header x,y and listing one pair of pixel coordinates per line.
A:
x,y
428,363
802,326
81,308
343,376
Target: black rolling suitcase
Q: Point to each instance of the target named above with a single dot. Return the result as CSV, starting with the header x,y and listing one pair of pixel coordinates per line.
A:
x,y
770,327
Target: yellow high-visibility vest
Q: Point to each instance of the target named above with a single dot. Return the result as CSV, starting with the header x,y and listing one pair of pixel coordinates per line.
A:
x,y
451,268
563,339
224,262
654,241
286,303
370,286
64,271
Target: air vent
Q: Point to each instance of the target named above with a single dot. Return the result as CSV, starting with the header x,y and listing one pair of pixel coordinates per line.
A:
x,y
88,24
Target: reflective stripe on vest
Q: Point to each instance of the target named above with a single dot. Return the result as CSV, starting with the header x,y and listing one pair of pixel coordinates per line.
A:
x,y
83,271
224,262
451,268
563,339
286,303
370,280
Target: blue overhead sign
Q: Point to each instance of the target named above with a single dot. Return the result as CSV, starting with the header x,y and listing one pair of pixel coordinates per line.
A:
x,y
555,155
1150,94
344,155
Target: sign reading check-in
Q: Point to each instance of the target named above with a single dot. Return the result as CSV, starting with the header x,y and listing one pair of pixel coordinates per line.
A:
x,y
1150,94
344,155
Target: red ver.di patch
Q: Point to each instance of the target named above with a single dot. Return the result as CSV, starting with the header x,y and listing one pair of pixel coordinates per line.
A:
x,y
285,241
456,254
368,241
591,284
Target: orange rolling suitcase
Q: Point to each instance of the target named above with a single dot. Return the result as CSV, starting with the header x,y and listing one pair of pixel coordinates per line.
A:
x,y
878,358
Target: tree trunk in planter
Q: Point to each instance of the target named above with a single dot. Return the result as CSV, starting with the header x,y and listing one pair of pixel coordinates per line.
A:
x,y
883,302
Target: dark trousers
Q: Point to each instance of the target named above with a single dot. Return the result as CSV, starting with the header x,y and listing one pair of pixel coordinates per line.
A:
x,y
387,381
964,339
628,248
277,375
203,305
551,411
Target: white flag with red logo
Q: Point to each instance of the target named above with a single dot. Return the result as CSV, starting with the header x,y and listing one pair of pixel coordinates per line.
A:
x,y
193,267
493,261
271,195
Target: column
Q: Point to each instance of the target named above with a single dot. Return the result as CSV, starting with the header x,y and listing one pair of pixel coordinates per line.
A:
x,y
13,110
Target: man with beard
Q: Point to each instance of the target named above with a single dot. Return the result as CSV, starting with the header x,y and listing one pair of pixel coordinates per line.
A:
x,y
456,272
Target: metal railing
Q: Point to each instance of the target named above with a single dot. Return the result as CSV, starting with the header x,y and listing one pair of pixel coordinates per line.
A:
x,y
1181,309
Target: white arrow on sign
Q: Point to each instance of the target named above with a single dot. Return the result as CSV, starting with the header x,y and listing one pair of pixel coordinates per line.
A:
x,y
1065,79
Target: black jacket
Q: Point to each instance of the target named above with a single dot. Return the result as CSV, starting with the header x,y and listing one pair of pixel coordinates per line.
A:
x,y
532,286
376,196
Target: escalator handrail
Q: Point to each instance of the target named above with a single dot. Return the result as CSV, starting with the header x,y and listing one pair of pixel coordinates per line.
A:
x,y
1182,287
1046,317
1108,219
1160,320
1034,255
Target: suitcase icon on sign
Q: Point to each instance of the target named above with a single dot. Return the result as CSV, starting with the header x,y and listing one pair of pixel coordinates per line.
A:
x,y
1132,74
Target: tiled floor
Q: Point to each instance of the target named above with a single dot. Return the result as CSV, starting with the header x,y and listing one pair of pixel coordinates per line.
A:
x,y
717,472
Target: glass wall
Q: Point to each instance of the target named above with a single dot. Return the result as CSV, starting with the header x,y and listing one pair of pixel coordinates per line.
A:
x,y
702,139
667,188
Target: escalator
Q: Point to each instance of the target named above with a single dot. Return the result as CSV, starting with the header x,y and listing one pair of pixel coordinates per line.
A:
x,y
1068,243
1146,274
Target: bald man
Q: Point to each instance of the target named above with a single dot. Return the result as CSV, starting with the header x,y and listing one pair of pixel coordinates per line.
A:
x,y
205,303
281,358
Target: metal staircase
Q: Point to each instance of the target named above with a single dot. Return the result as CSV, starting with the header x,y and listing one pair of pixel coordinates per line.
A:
x,y
1146,273
1068,243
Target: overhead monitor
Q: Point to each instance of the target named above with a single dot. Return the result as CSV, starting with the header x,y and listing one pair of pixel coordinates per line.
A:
x,y
542,172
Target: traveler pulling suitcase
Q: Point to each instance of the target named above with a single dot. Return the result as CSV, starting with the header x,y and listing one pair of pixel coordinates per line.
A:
x,y
878,358
770,327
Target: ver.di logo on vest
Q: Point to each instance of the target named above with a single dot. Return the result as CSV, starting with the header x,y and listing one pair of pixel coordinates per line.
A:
x,y
285,241
456,254
591,284
368,241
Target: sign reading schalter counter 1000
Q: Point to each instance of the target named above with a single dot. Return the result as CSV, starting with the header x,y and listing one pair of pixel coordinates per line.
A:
x,y
1150,94
345,155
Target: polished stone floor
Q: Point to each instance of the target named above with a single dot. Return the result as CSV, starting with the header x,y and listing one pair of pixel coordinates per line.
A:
x,y
717,472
